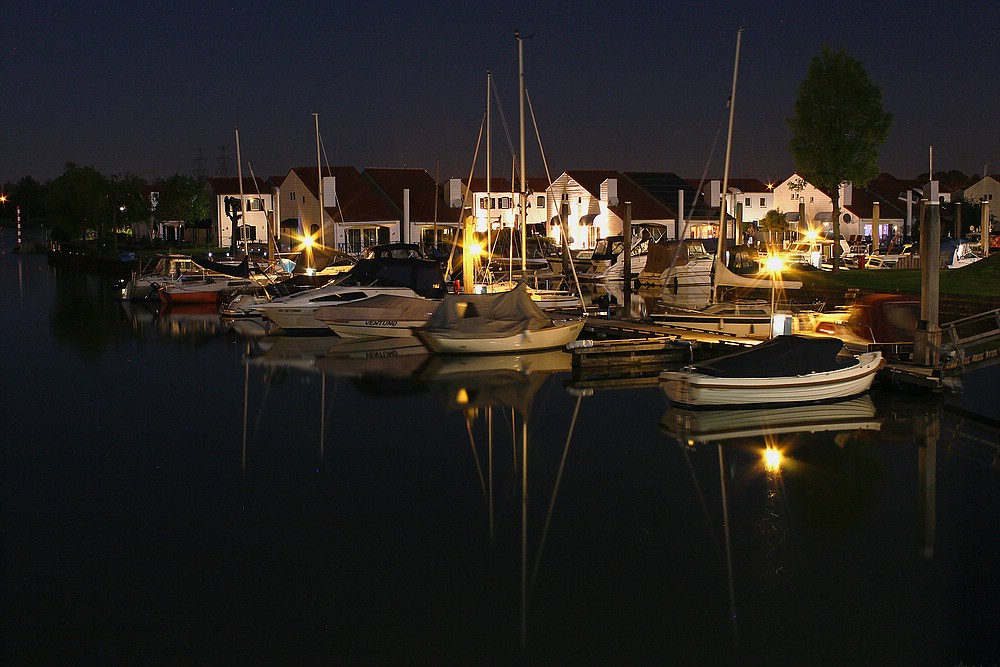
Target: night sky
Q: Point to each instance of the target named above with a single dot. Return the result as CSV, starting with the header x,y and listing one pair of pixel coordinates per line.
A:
x,y
149,88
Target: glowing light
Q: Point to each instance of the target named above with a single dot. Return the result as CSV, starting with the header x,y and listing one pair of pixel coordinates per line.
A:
x,y
772,459
462,397
774,264
475,249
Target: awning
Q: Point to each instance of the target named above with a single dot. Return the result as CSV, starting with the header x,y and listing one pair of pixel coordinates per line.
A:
x,y
588,220
823,216
792,216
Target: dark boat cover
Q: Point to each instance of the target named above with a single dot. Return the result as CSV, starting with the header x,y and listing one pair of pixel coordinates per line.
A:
x,y
423,276
782,356
241,270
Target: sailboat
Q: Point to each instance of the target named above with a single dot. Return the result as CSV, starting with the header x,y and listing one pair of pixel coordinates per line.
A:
x,y
704,277
485,282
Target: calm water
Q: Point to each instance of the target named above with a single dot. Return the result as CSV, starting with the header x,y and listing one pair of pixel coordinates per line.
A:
x,y
175,491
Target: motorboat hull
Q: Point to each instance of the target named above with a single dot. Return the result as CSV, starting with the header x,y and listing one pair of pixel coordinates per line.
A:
x,y
688,387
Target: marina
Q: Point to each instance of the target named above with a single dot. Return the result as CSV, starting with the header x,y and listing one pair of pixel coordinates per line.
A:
x,y
189,487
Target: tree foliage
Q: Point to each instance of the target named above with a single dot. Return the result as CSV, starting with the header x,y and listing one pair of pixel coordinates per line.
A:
x,y
129,199
774,223
28,195
77,201
838,126
182,198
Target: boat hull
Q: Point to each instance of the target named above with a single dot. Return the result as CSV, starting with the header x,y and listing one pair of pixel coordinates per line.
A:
x,y
449,342
374,328
696,389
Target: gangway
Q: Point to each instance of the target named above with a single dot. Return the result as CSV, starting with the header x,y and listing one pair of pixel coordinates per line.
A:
x,y
971,341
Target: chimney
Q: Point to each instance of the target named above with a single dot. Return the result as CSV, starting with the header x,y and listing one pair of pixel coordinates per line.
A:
x,y
453,192
330,192
405,232
609,191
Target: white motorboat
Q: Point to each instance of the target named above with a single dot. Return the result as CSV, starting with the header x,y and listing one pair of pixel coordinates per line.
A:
x,y
785,370
677,264
402,277
381,316
495,323
159,271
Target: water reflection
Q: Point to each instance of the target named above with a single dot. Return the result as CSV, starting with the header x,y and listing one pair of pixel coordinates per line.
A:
x,y
456,507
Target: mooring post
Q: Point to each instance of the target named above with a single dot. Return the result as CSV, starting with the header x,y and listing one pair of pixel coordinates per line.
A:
x,y
627,259
927,339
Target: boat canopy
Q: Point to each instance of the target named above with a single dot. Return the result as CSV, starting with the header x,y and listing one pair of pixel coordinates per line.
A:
x,y
423,276
782,356
488,314
241,270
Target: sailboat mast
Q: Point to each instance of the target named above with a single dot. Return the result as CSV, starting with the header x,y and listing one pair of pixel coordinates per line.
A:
x,y
489,169
240,221
524,188
729,146
319,180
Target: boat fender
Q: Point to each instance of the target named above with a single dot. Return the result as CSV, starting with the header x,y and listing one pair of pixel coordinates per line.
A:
x,y
577,344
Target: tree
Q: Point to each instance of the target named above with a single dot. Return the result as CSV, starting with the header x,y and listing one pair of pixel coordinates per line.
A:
x,y
837,127
129,200
28,195
182,198
78,201
773,223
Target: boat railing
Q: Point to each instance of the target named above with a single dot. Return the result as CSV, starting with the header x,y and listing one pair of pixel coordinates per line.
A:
x,y
961,339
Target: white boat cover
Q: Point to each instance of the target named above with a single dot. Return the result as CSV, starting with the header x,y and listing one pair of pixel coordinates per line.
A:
x,y
723,276
481,315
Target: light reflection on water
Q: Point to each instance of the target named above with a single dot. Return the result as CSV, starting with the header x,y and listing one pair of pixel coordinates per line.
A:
x,y
176,485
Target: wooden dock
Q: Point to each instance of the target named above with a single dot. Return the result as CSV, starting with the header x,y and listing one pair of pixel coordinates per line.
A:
x,y
629,353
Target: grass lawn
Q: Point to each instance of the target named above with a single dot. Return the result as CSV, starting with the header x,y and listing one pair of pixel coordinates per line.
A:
x,y
981,278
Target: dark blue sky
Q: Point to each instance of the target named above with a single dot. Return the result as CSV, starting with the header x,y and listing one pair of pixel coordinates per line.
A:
x,y
141,87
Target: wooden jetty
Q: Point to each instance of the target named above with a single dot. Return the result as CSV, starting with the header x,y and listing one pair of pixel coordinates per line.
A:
x,y
623,353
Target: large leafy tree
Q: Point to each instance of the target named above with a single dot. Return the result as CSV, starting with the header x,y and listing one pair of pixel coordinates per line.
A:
x,y
838,127
775,224
182,198
77,201
129,200
28,195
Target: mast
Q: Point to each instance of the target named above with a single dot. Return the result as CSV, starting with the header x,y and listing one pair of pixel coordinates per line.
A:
x,y
319,175
720,254
489,170
240,220
524,188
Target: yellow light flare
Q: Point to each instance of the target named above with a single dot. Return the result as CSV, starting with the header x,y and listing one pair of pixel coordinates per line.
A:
x,y
772,459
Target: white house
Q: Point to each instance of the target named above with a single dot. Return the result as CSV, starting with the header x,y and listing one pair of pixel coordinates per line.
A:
x,y
257,210
594,203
